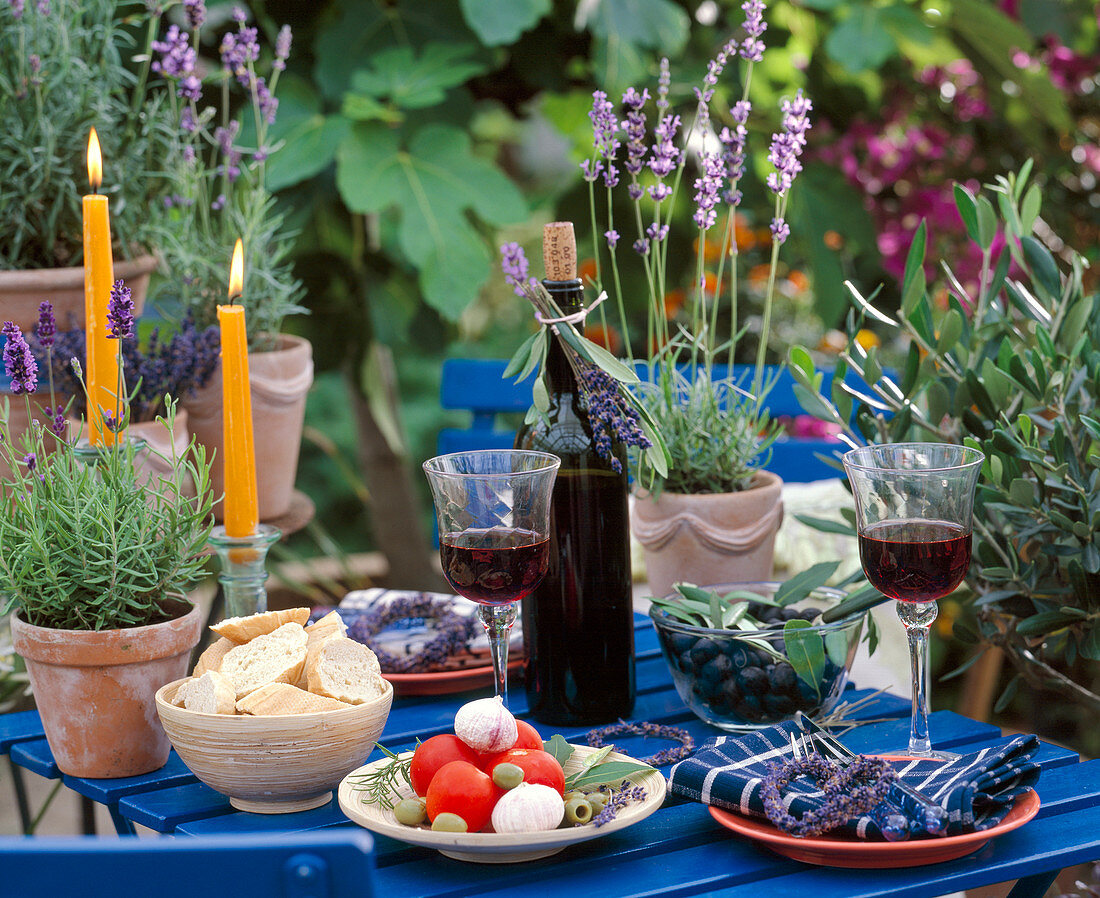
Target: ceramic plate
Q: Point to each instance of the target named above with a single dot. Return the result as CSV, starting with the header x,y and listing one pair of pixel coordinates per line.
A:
x,y
836,851
498,848
446,682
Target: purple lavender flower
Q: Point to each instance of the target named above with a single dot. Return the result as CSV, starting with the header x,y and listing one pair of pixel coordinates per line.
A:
x,y
57,424
282,48
641,246
177,61
786,148
232,157
515,266
634,126
752,49
31,461
239,15
618,801
612,238
35,63
46,327
780,230
120,312
591,169
43,7
218,203
19,363
265,100
604,128
706,190
17,9
613,419
714,68
238,50
733,150
665,156
664,79
196,13
657,232
188,125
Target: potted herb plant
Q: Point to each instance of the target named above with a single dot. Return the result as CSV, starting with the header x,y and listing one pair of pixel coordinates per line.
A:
x,y
1010,365
64,68
95,560
711,517
218,193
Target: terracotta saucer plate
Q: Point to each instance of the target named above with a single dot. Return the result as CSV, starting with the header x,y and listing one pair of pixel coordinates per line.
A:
x,y
497,848
837,851
446,682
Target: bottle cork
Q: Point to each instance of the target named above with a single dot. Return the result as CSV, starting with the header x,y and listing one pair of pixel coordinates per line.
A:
x,y
559,251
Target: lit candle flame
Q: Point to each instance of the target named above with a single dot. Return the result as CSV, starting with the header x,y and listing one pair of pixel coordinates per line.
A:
x,y
236,272
95,161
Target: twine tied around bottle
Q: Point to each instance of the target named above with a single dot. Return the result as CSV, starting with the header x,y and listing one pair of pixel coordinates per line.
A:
x,y
573,317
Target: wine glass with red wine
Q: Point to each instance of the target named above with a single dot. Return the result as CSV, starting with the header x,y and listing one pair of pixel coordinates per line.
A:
x,y
493,509
914,504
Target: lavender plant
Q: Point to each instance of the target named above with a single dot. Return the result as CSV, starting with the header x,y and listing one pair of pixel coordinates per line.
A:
x,y
716,428
86,542
216,167
66,65
157,369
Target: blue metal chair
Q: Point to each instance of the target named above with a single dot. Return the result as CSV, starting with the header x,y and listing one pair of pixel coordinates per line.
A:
x,y
335,863
477,385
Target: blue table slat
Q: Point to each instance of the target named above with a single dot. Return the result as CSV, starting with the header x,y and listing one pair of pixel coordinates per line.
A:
x,y
173,773
241,822
36,756
166,809
19,727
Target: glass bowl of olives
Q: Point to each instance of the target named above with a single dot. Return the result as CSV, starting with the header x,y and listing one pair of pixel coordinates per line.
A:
x,y
747,655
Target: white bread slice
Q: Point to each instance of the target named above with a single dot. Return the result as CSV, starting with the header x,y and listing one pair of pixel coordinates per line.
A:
x,y
212,693
276,657
243,629
211,659
345,670
282,698
329,625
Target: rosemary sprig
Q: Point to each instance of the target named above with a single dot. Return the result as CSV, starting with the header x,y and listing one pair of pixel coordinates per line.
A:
x,y
382,784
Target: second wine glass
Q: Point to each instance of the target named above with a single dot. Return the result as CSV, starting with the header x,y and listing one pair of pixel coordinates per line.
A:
x,y
914,504
493,511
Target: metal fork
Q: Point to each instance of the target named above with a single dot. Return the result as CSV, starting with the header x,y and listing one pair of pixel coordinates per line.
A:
x,y
890,819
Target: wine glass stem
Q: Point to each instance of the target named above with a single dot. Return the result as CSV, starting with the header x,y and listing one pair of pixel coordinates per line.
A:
x,y
917,618
498,620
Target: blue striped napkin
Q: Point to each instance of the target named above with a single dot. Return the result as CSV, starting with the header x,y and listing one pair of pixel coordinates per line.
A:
x,y
977,789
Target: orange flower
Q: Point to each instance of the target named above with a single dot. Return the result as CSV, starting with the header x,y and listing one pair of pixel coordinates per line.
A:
x,y
798,280
743,234
712,249
710,282
758,275
833,342
674,301
586,270
867,339
607,337
833,240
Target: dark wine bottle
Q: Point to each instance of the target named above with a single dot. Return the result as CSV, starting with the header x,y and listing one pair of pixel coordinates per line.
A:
x,y
578,624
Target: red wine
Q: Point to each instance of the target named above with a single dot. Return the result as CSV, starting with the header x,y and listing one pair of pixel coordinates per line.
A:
x,y
494,567
915,561
578,624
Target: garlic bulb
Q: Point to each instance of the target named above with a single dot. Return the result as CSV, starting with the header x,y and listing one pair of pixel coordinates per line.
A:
x,y
528,808
486,725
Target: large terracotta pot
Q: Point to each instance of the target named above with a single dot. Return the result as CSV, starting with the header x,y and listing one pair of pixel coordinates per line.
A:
x,y
280,380
21,292
95,691
709,538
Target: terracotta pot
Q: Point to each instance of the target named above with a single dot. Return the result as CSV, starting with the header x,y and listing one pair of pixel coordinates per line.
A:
x,y
95,691
706,539
280,380
21,292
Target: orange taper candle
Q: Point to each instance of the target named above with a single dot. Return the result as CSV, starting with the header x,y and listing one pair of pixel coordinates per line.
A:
x,y
241,507
101,361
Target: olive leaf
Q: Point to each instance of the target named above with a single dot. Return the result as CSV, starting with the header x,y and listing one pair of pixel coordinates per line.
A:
x,y
805,652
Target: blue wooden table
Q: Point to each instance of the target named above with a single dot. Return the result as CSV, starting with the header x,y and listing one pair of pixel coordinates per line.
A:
x,y
679,850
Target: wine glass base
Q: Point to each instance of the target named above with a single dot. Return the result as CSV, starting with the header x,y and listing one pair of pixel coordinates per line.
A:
x,y
933,754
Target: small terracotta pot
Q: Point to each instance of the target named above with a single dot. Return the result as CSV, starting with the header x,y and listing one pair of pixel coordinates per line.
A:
x,y
280,380
95,691
709,538
21,292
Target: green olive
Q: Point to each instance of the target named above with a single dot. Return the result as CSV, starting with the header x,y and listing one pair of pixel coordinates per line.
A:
x,y
507,776
410,811
597,800
574,793
577,810
449,823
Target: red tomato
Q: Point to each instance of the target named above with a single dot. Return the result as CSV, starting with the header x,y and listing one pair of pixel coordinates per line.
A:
x,y
431,754
458,787
538,766
528,736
